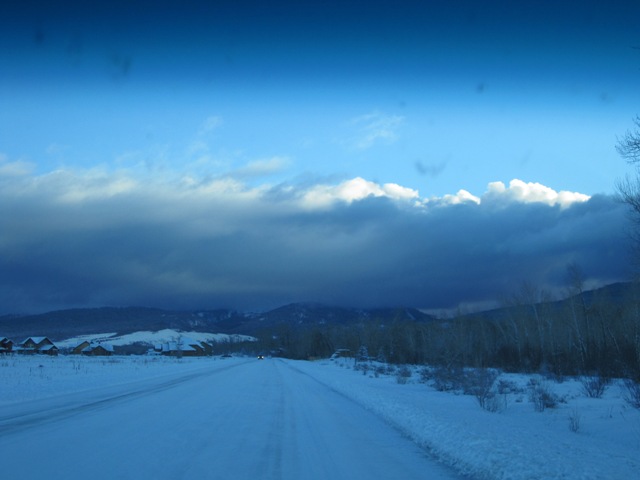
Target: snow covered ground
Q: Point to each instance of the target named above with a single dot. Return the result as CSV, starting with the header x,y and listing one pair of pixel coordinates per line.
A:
x,y
161,336
516,443
286,417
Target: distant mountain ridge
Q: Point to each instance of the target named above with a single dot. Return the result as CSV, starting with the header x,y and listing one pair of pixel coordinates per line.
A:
x,y
615,294
62,324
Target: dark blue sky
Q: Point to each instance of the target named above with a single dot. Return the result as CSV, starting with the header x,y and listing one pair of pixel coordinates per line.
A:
x,y
296,108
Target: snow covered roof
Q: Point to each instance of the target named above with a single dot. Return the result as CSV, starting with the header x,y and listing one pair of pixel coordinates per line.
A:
x,y
38,341
175,347
46,348
35,339
92,346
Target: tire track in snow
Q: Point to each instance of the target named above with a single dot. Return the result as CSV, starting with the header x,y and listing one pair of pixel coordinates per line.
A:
x,y
31,418
271,455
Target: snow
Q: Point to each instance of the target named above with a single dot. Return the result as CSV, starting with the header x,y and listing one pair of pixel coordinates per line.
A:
x,y
35,340
152,338
516,443
30,377
287,401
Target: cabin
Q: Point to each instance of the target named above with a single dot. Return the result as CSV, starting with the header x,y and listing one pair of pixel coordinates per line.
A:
x,y
186,347
77,350
342,353
94,349
98,350
6,345
33,345
176,349
207,348
49,350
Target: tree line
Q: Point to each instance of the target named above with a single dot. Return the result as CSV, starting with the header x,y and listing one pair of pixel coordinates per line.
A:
x,y
586,334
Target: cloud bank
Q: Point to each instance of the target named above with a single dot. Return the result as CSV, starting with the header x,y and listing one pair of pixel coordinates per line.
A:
x,y
93,238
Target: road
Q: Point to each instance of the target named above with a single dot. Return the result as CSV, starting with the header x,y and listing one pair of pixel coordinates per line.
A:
x,y
243,419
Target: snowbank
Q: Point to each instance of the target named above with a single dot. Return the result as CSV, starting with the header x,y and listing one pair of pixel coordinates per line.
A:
x,y
517,443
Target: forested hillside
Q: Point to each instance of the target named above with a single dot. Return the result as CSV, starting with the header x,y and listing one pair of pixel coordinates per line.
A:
x,y
594,332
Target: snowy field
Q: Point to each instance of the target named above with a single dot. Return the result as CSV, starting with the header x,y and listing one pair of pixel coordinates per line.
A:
x,y
31,377
581,438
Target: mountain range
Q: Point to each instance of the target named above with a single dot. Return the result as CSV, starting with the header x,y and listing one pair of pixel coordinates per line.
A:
x,y
63,324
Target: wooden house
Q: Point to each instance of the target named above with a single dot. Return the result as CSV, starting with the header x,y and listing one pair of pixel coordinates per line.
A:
x,y
186,347
48,350
207,348
93,349
77,350
6,345
342,353
98,350
176,349
38,345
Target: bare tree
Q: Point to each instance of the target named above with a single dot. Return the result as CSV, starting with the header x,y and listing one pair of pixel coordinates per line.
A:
x,y
629,148
629,145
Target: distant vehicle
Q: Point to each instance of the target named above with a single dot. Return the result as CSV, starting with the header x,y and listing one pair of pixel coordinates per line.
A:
x,y
226,355
260,357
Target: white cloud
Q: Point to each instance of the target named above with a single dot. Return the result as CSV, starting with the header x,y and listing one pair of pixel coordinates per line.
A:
x,y
209,125
519,191
262,167
374,128
321,196
461,197
92,185
498,194
56,149
15,168
198,151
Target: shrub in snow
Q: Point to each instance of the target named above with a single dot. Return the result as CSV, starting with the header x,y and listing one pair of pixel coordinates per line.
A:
x,y
574,420
379,370
404,371
362,366
541,396
505,387
446,379
425,374
363,354
480,383
403,375
632,393
594,387
553,376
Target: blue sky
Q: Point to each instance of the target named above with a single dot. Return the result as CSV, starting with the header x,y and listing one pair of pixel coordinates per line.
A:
x,y
293,103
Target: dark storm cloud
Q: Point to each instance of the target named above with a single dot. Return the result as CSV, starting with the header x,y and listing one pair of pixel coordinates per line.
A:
x,y
70,239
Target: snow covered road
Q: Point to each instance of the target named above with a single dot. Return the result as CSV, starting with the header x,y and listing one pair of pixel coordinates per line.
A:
x,y
236,419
